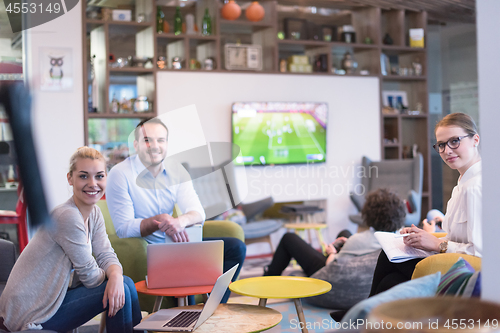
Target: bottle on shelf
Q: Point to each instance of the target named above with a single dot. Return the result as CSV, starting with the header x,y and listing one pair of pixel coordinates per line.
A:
x,y
206,25
177,21
11,175
160,19
115,105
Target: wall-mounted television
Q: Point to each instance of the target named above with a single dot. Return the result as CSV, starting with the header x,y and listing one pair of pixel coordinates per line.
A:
x,y
271,133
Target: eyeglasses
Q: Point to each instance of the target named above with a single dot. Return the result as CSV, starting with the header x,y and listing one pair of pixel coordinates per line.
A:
x,y
453,143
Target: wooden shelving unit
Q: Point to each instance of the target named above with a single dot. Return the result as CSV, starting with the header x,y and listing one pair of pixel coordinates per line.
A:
x,y
399,131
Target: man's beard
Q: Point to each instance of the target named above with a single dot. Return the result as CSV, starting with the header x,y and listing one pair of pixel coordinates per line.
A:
x,y
151,161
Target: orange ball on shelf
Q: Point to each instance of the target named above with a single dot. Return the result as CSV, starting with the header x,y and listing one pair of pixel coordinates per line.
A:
x,y
231,10
255,12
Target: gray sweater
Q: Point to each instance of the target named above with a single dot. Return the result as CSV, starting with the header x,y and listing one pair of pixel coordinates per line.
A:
x,y
39,280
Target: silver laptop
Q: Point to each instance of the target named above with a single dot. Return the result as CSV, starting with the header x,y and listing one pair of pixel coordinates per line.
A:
x,y
184,264
178,320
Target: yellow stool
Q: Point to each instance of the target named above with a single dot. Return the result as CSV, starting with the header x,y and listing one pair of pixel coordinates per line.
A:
x,y
293,287
302,227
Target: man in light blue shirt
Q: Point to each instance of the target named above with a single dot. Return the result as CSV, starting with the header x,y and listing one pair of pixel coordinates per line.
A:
x,y
142,191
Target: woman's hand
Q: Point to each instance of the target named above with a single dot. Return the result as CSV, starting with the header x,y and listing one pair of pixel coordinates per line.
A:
x,y
420,239
330,249
115,292
429,226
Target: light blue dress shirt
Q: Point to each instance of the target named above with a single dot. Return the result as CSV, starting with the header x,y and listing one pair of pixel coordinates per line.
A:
x,y
133,194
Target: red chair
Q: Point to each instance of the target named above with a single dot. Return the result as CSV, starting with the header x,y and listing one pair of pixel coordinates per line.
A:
x,y
18,217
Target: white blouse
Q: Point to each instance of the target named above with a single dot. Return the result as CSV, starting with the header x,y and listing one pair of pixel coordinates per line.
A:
x,y
462,221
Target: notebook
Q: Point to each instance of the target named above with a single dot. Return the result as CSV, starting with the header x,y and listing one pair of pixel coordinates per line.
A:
x,y
395,248
179,320
189,264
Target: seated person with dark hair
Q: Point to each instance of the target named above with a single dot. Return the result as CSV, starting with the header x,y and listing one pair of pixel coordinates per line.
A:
x,y
382,211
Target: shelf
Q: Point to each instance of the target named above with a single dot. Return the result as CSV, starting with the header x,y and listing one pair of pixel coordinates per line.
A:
x,y
130,23
317,43
132,70
391,145
404,78
185,36
357,75
120,115
394,49
355,46
414,116
259,24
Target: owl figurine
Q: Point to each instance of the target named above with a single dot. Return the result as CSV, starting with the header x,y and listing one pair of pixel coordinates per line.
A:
x,y
56,68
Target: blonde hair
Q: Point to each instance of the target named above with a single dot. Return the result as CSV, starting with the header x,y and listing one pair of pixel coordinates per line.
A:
x,y
84,152
458,119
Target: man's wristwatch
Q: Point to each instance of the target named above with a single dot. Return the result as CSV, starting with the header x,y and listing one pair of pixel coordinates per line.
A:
x,y
443,247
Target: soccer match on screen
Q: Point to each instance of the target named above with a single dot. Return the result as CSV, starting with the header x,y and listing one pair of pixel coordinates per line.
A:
x,y
279,132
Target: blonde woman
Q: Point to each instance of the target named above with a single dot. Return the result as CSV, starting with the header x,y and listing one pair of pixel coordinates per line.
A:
x,y
56,283
457,144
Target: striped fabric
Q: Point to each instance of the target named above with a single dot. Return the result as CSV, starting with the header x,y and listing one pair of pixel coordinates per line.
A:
x,y
460,280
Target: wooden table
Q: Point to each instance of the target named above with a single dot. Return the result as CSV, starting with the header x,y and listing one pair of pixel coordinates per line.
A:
x,y
294,287
241,318
181,293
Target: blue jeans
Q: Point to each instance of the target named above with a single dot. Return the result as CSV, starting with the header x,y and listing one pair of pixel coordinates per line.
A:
x,y
82,304
234,253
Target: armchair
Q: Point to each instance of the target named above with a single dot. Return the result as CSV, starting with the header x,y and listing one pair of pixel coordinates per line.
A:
x,y
403,176
132,251
259,230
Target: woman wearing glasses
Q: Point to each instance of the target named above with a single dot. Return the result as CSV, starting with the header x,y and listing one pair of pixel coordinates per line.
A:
x,y
457,144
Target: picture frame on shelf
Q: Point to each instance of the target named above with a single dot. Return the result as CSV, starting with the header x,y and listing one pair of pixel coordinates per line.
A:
x,y
295,28
395,99
314,31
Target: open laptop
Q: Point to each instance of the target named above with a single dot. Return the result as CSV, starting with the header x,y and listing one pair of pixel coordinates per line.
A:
x,y
179,320
189,264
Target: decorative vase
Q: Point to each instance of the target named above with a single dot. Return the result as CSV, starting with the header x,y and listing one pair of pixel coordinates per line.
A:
x,y
255,12
231,10
349,64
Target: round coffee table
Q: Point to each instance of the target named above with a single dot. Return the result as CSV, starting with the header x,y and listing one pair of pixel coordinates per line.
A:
x,y
241,318
293,287
180,293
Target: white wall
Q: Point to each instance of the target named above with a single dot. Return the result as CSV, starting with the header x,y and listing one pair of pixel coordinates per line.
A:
x,y
57,116
488,12
353,129
6,50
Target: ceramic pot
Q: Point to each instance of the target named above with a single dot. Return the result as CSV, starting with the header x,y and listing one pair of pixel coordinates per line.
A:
x,y
255,12
231,10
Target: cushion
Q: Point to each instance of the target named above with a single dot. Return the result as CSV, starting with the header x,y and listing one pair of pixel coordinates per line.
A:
x,y
351,280
423,287
472,288
456,280
235,215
